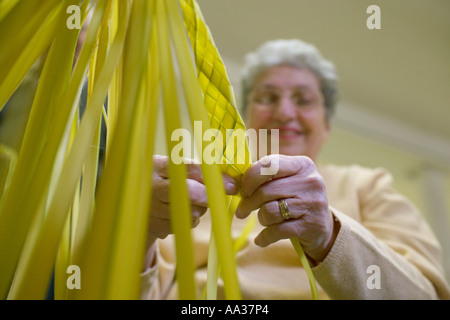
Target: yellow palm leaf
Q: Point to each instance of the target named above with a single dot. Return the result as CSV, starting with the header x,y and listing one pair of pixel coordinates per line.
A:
x,y
52,211
218,93
42,246
35,25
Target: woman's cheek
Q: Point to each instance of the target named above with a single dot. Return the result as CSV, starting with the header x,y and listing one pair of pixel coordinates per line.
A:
x,y
259,119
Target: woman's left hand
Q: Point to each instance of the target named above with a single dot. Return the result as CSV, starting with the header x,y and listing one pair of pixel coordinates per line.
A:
x,y
298,182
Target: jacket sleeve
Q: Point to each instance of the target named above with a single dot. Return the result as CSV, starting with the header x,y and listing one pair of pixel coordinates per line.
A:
x,y
389,252
158,280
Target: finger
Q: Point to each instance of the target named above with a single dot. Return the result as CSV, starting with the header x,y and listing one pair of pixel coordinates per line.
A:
x,y
159,209
196,191
159,228
193,171
161,166
198,212
231,185
282,166
273,233
160,189
270,191
270,212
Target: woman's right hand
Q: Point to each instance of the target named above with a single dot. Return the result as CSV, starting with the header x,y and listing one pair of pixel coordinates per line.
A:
x,y
159,225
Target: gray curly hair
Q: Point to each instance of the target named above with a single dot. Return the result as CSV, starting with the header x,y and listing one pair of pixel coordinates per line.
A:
x,y
292,52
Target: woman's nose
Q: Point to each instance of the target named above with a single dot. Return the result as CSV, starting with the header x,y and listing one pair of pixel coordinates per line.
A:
x,y
285,110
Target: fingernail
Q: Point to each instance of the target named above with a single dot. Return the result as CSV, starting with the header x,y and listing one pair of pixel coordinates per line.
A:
x,y
259,242
238,213
231,188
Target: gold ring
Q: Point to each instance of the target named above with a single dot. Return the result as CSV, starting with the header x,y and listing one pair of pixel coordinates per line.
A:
x,y
284,209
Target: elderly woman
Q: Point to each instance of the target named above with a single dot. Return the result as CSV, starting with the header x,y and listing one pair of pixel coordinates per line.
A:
x,y
349,220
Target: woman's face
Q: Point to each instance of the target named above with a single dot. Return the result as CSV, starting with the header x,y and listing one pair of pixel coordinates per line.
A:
x,y
289,99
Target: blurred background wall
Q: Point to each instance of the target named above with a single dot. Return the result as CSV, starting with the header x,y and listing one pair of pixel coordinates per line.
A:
x,y
394,108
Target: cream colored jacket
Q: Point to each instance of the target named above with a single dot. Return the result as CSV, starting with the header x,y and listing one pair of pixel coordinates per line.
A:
x,y
384,250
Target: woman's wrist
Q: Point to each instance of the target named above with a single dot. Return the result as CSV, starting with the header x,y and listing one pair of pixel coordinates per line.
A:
x,y
317,258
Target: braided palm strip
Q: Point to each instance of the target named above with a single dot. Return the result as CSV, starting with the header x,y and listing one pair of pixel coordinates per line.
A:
x,y
217,90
